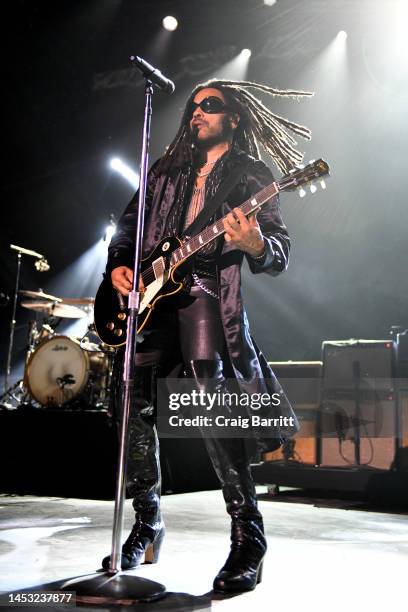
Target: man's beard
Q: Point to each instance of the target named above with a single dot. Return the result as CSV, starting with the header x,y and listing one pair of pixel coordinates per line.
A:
x,y
225,135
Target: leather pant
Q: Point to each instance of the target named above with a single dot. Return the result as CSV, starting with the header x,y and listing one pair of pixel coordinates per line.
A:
x,y
195,327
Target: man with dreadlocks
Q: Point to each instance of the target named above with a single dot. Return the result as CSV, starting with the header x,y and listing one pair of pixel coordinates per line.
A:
x,y
222,128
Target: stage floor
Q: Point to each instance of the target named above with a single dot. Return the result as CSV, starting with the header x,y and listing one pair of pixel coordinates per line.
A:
x,y
318,559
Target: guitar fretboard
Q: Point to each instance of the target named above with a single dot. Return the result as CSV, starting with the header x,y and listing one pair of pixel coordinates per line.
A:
x,y
216,229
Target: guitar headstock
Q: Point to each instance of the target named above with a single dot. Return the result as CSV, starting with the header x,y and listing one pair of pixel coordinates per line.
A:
x,y
298,177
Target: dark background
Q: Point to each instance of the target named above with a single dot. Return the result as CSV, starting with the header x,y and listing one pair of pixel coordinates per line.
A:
x,y
71,103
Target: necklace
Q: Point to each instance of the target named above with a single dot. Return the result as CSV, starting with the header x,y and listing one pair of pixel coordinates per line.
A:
x,y
196,204
210,163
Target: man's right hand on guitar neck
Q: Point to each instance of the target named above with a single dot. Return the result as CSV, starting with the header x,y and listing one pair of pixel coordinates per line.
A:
x,y
122,279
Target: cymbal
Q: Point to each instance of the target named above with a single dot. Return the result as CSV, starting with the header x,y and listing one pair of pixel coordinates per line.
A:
x,y
84,300
57,310
40,295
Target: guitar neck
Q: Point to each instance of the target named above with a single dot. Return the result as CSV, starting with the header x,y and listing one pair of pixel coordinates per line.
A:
x,y
212,232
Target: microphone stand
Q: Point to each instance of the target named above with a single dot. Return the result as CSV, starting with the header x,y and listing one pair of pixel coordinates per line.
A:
x,y
357,403
113,586
130,353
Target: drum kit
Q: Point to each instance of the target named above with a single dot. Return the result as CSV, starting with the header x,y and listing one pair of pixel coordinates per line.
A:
x,y
61,370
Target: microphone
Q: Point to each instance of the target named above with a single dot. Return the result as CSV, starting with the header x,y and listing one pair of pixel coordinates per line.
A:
x,y
340,419
153,74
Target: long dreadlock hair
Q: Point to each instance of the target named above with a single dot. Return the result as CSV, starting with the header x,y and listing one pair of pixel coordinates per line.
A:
x,y
258,126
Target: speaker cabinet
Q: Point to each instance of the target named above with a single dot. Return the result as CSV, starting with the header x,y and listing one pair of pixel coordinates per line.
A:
x,y
364,364
358,410
402,463
301,382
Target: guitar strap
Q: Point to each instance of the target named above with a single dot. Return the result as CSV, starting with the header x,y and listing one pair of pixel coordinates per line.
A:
x,y
225,187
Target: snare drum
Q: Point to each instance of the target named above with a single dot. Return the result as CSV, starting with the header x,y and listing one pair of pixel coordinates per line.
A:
x,y
59,371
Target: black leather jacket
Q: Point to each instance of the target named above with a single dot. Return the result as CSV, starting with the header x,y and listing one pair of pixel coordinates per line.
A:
x,y
163,191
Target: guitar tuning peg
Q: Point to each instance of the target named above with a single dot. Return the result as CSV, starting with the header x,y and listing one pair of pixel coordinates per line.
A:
x,y
302,192
313,188
323,184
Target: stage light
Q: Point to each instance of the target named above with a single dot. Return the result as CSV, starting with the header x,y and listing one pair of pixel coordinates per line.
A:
x,y
110,230
246,53
115,163
170,23
269,2
342,36
131,176
234,69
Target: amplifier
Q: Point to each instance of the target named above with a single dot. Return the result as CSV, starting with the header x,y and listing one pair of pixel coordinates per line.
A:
x,y
403,399
302,448
364,364
301,382
358,405
402,460
402,358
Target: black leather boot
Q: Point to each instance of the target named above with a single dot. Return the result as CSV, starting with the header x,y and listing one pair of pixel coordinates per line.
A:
x,y
242,570
143,478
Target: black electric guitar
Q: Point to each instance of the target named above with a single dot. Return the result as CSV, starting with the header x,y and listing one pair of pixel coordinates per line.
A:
x,y
161,271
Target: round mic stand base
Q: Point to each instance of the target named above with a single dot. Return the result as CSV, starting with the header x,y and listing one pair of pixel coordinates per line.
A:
x,y
119,589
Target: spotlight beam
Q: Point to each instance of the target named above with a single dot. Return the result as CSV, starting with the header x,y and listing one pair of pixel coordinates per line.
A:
x,y
131,176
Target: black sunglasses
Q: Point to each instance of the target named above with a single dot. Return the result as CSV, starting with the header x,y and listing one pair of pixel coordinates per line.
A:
x,y
211,105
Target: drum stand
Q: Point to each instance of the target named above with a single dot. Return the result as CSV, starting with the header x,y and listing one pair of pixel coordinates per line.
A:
x,y
16,392
9,392
42,266
113,586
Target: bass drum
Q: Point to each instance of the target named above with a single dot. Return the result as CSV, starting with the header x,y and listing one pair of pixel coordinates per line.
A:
x,y
59,371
